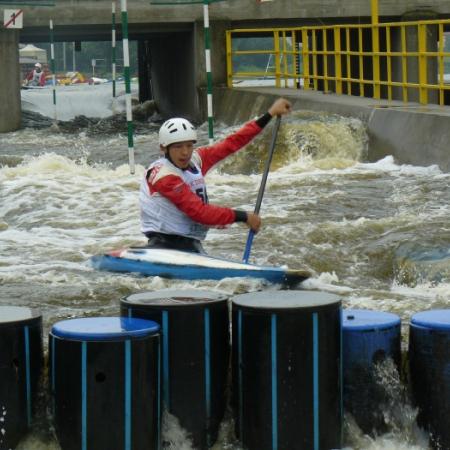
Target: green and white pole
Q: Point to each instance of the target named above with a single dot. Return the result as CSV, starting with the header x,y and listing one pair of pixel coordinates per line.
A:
x,y
208,71
113,48
53,67
126,70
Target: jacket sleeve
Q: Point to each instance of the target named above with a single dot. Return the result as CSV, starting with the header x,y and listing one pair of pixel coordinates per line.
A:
x,y
212,155
177,191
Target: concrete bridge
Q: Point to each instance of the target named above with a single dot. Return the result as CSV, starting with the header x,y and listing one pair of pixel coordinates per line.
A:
x,y
170,39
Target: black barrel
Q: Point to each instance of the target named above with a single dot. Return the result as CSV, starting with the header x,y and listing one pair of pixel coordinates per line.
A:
x,y
287,370
429,363
195,355
21,358
370,338
105,378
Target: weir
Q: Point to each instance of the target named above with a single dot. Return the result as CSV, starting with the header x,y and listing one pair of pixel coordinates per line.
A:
x,y
411,133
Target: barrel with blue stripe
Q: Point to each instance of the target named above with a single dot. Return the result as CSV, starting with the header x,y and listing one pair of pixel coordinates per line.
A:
x,y
105,383
370,338
195,355
21,362
287,370
429,365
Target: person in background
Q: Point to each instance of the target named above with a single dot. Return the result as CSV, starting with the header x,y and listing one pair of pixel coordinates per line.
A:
x,y
174,207
36,77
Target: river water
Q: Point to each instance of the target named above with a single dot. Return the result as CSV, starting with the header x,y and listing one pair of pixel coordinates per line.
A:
x,y
377,234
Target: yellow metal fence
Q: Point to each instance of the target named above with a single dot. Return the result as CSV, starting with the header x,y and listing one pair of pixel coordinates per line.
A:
x,y
406,61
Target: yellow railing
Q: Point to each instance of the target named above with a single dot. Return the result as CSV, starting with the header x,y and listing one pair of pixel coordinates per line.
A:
x,y
402,60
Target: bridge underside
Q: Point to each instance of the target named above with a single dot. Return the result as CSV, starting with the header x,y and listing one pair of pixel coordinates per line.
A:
x,y
171,59
167,58
101,32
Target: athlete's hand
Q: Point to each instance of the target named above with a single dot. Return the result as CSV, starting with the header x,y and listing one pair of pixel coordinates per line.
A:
x,y
280,107
253,222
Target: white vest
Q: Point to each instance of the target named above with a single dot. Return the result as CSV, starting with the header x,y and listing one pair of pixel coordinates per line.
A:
x,y
160,214
36,76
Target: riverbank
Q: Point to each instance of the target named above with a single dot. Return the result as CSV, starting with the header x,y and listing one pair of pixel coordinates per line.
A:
x,y
412,133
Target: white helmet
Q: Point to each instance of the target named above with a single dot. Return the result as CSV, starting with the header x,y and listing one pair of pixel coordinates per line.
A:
x,y
176,130
38,65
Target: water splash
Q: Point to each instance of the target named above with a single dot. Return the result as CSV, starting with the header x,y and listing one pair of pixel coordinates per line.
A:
x,y
3,416
416,264
174,436
399,416
306,140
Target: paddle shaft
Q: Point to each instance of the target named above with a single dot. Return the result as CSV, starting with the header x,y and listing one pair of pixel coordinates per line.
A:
x,y
262,187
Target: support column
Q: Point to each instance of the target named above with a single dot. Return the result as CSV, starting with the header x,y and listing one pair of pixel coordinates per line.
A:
x,y
173,74
144,67
10,107
412,64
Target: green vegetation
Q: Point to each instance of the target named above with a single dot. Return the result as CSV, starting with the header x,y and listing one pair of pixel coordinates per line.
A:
x,y
260,62
265,62
447,49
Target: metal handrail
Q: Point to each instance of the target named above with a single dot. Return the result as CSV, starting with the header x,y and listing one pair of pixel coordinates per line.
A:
x,y
392,60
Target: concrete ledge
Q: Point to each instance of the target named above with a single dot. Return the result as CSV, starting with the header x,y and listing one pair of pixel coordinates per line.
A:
x,y
411,136
410,132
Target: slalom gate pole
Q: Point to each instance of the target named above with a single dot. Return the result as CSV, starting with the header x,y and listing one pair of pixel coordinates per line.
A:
x,y
126,70
208,70
113,48
53,67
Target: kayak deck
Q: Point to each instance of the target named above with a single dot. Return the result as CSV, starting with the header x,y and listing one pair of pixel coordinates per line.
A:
x,y
177,264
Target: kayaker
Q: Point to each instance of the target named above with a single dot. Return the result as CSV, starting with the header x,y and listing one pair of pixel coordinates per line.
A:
x,y
36,77
175,212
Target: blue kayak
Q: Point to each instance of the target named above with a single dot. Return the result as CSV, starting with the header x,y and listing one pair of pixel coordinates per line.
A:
x,y
177,264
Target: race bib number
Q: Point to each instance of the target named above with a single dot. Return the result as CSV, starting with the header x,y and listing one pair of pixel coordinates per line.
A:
x,y
201,192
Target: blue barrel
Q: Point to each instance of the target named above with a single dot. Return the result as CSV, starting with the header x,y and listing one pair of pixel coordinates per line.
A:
x,y
369,338
429,365
21,361
195,355
104,379
286,368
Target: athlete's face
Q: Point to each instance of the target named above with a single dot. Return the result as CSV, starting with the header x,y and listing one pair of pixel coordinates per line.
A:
x,y
180,153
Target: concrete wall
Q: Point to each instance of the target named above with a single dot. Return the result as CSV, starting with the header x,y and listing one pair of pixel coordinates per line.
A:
x,y
10,110
413,134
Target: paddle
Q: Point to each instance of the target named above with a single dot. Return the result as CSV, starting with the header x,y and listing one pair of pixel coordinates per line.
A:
x,y
251,233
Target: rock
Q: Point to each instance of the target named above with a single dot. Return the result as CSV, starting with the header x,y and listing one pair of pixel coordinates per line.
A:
x,y
144,110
